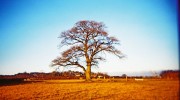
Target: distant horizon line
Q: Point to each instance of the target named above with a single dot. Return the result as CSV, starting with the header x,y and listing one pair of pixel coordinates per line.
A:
x,y
120,73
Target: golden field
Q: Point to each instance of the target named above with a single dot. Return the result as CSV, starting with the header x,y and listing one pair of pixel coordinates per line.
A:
x,y
96,90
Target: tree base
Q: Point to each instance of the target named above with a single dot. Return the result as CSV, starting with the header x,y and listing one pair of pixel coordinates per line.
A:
x,y
88,80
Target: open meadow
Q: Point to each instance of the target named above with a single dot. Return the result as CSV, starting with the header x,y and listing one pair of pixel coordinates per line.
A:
x,y
96,90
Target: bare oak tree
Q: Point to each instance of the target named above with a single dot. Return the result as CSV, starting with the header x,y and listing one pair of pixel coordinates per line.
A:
x,y
87,39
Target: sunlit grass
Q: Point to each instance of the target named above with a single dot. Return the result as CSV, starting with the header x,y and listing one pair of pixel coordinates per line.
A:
x,y
98,89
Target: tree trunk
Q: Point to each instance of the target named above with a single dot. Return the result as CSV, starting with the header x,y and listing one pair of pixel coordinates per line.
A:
x,y
88,73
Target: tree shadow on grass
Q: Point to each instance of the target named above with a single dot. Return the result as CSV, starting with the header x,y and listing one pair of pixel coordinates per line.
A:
x,y
8,82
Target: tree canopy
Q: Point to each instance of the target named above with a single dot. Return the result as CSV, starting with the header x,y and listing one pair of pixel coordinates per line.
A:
x,y
86,40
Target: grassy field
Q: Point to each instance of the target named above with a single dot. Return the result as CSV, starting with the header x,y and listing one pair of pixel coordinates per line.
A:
x,y
97,90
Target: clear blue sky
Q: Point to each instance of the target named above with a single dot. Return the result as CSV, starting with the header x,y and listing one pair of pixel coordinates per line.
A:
x,y
147,30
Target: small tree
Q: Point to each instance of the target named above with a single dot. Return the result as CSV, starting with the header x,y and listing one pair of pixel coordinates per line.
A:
x,y
123,75
88,40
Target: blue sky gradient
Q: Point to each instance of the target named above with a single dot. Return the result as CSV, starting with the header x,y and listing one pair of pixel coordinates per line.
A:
x,y
147,30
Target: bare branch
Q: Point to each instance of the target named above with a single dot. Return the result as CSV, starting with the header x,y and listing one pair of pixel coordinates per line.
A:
x,y
88,39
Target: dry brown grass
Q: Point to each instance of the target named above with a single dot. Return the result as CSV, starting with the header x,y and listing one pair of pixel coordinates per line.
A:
x,y
98,90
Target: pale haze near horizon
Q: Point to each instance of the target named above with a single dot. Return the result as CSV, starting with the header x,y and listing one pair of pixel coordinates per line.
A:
x,y
147,30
